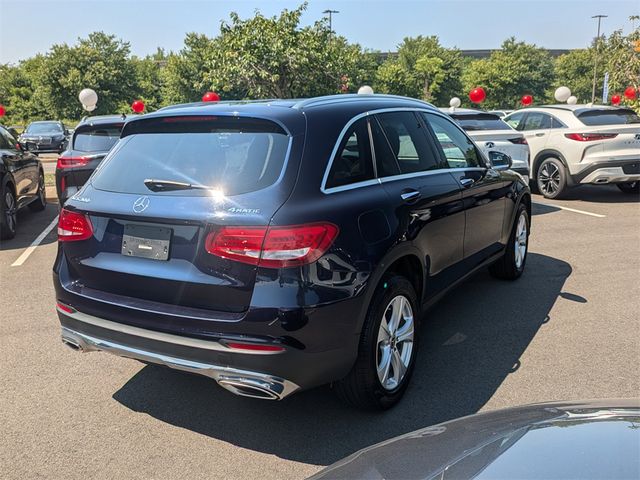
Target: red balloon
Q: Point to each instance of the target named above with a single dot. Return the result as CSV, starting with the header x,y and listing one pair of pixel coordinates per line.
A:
x,y
630,93
2,111
137,106
615,99
477,95
526,100
211,97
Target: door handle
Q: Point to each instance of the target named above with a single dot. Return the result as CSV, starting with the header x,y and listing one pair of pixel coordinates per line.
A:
x,y
540,134
410,196
466,182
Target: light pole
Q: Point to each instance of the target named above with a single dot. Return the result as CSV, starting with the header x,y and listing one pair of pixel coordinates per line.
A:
x,y
595,62
330,13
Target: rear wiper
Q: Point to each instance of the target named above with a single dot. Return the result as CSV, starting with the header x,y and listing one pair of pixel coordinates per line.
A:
x,y
170,185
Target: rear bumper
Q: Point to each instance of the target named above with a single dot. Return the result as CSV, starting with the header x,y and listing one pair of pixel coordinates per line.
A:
x,y
240,382
609,172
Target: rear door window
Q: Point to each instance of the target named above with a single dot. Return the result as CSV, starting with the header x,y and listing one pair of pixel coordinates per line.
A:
x,y
608,117
227,154
352,162
458,149
537,121
515,120
409,142
97,138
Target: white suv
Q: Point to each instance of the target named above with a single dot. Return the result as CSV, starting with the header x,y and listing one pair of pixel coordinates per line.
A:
x,y
577,144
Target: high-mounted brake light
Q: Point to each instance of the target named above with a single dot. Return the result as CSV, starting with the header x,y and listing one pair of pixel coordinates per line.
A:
x,y
72,162
589,137
272,247
519,141
73,226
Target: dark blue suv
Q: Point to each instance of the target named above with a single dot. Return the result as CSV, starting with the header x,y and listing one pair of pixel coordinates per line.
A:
x,y
280,245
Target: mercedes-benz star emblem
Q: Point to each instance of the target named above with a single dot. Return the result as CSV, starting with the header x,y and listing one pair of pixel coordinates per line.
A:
x,y
141,204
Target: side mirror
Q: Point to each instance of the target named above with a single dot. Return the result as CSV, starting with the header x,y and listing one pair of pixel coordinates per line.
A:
x,y
22,147
500,161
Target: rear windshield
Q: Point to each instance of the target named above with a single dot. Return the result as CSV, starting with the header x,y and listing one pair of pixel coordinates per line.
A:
x,y
608,117
481,121
44,127
97,139
227,154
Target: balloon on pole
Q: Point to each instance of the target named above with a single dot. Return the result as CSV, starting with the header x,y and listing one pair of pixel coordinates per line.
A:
x,y
455,102
477,95
2,111
88,98
630,93
526,100
211,97
365,90
616,99
137,106
572,100
562,94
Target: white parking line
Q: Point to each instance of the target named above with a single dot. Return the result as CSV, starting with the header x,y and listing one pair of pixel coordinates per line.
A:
x,y
570,209
23,258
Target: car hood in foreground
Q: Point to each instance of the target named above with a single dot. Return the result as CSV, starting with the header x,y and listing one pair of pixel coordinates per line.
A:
x,y
586,440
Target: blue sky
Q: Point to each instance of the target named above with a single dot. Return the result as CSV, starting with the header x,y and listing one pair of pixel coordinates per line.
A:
x,y
28,27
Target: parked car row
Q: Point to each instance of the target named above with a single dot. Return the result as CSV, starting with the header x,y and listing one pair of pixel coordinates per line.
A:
x,y
45,137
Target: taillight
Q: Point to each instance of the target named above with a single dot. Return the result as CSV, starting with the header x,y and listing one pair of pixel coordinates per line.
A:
x,y
519,140
589,137
73,226
72,162
273,247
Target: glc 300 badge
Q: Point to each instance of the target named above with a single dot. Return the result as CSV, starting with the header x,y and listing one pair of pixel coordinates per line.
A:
x,y
141,204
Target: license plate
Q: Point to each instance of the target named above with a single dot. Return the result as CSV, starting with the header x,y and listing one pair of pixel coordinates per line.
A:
x,y
146,242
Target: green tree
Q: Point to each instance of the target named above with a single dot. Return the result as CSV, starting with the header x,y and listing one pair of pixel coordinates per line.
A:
x,y
623,63
149,80
422,69
100,62
518,68
575,70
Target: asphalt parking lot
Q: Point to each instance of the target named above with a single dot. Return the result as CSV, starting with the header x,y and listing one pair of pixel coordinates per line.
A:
x,y
568,329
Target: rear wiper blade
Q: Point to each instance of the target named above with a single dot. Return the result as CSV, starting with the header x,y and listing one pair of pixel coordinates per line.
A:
x,y
169,185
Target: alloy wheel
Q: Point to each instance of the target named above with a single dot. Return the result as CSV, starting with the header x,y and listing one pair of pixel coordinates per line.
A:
x,y
521,241
549,178
10,211
395,342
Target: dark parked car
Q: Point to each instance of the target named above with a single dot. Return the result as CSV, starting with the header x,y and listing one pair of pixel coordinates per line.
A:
x,y
21,183
45,137
281,245
91,141
586,440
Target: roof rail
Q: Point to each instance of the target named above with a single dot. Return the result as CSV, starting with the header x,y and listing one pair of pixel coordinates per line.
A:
x,y
352,97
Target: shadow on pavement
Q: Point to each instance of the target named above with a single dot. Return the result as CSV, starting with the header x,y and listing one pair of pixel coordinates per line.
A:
x,y
471,341
597,194
540,209
30,225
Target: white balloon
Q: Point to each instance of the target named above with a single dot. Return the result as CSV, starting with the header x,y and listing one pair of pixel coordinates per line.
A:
x,y
562,94
88,97
455,102
572,100
89,108
365,90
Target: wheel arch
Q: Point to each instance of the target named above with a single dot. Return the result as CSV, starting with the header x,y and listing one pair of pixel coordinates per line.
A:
x,y
542,156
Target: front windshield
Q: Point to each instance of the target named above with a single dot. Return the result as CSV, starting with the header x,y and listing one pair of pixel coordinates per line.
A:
x,y
45,127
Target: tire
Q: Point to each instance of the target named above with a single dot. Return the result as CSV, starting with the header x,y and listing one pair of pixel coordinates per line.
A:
x,y
8,212
629,187
364,387
512,263
40,203
551,178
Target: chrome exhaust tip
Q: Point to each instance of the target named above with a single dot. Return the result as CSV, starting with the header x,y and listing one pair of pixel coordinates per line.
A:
x,y
72,344
252,387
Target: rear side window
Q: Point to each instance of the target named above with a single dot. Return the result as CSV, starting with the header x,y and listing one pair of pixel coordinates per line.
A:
x,y
228,154
97,138
458,149
352,162
480,121
515,121
409,142
537,121
608,117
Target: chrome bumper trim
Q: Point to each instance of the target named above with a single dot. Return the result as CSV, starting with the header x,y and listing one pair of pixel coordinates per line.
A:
x,y
240,382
